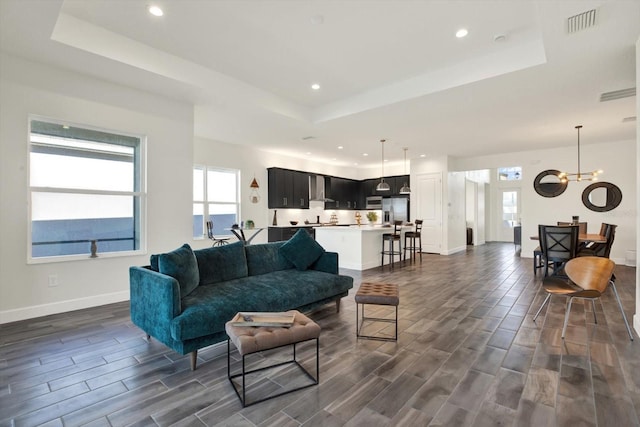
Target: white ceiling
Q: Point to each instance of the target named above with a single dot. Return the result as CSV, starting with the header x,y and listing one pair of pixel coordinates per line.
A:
x,y
388,69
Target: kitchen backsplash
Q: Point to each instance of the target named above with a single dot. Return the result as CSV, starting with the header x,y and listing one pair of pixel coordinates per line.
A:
x,y
316,209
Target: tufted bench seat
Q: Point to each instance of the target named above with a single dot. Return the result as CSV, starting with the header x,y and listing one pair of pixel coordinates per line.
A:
x,y
249,340
377,294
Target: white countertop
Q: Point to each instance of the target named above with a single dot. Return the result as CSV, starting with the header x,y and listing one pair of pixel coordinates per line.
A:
x,y
367,228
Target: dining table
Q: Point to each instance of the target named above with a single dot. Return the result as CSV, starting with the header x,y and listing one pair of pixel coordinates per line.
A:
x,y
583,238
239,232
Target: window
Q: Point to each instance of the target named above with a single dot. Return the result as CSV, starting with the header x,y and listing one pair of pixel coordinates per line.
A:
x,y
85,190
216,198
510,174
510,208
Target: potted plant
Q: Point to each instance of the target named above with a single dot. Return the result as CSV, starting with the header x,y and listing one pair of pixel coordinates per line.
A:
x,y
372,216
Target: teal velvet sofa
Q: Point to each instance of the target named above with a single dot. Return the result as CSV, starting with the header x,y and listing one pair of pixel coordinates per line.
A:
x,y
184,298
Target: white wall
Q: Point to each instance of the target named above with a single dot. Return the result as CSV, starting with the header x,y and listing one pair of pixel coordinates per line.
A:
x,y
636,317
30,88
616,158
471,206
455,208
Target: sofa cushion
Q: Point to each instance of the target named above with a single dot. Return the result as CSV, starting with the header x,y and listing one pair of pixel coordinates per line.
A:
x,y
222,263
181,264
265,258
153,262
209,307
302,250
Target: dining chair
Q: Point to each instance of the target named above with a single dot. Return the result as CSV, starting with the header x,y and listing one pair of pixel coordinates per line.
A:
x,y
582,226
410,238
216,241
559,244
587,278
601,249
538,260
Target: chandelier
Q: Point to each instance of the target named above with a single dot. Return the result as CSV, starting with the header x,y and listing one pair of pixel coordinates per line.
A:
x,y
579,176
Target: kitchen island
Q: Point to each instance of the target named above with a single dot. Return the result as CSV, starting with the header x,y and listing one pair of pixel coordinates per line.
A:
x,y
358,246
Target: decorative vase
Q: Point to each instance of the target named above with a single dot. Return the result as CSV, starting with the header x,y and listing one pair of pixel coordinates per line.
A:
x,y
275,217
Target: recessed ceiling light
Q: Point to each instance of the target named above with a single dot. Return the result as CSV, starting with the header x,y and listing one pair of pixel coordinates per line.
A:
x,y
315,86
462,32
155,10
423,155
355,164
308,153
365,154
340,147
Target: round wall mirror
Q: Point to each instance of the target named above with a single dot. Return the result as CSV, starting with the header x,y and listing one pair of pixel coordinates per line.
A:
x,y
602,196
547,183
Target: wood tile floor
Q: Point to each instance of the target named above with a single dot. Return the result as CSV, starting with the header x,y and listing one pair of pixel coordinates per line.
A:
x,y
468,353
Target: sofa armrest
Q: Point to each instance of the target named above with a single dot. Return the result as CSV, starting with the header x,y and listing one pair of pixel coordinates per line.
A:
x,y
155,301
328,263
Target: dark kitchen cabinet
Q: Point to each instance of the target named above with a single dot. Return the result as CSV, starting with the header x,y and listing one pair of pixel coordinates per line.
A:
x,y
301,190
288,189
343,193
278,234
368,187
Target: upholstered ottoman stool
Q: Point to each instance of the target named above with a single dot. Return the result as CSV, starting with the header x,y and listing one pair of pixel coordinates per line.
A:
x,y
249,340
378,294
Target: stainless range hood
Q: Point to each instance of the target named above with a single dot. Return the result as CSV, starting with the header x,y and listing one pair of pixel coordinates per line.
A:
x,y
317,189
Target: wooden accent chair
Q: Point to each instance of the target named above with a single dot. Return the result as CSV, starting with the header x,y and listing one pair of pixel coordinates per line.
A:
x,y
588,278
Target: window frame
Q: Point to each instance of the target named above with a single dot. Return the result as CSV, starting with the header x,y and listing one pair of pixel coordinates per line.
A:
x,y
509,169
205,202
139,193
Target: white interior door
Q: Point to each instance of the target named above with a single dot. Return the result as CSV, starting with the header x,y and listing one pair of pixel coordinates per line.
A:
x,y
428,200
509,208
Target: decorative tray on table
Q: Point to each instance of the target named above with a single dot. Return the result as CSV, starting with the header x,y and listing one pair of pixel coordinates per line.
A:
x,y
278,320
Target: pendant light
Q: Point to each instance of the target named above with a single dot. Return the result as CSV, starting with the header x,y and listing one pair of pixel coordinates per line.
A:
x,y
405,188
382,186
579,176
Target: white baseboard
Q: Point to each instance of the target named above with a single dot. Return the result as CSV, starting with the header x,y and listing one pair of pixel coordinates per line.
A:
x,y
636,323
455,250
34,311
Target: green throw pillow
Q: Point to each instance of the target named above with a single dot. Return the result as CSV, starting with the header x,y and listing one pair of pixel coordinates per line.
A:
x,y
301,250
181,264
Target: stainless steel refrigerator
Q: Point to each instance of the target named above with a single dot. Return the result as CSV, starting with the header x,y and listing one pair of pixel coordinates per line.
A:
x,y
395,209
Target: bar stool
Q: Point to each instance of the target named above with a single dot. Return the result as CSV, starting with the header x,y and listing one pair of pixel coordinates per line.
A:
x,y
392,238
412,236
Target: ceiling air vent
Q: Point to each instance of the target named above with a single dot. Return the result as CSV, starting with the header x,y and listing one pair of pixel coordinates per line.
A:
x,y
629,119
582,21
617,94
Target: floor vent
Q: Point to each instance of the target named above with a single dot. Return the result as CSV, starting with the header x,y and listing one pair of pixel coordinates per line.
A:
x,y
581,21
617,94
